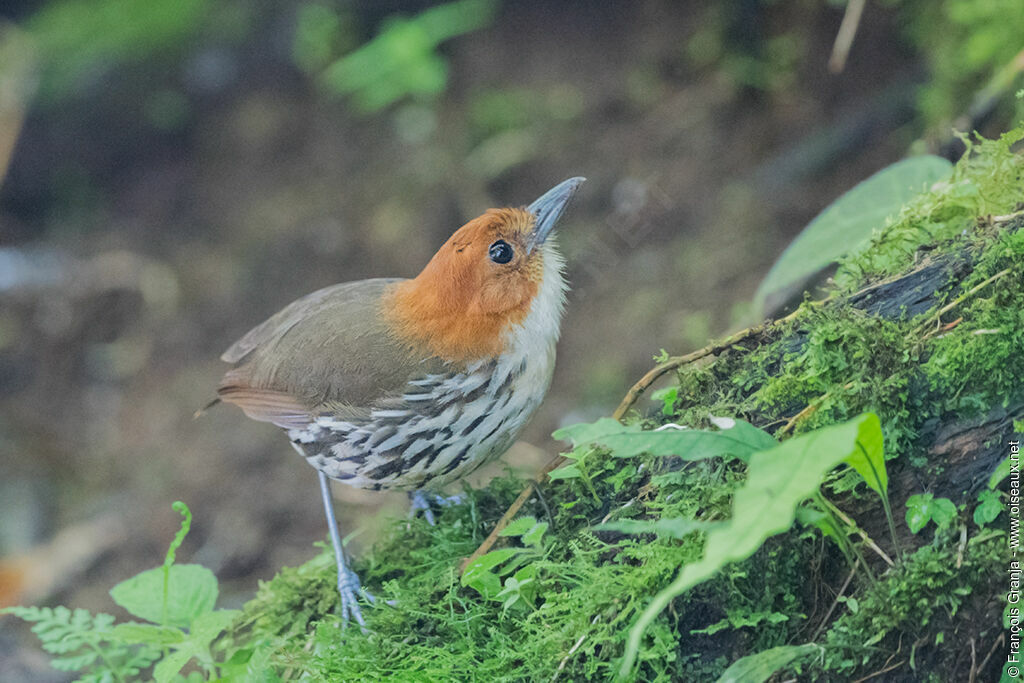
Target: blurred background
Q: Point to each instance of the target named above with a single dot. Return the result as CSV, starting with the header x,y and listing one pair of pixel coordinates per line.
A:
x,y
175,171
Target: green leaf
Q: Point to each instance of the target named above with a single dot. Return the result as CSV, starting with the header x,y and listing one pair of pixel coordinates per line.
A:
x,y
917,511
479,576
168,668
588,432
134,633
489,561
528,528
924,507
208,626
676,527
869,459
1002,471
943,512
825,523
689,444
739,620
778,480
757,668
737,438
519,527
570,471
989,507
848,223
191,590
668,397
535,534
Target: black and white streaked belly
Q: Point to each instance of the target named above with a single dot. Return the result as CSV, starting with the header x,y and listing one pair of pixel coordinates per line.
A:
x,y
441,429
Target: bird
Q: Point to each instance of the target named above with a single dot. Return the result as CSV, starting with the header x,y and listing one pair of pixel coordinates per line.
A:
x,y
412,384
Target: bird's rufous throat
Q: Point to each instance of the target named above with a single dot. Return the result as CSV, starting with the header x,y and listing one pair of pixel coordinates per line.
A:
x,y
411,384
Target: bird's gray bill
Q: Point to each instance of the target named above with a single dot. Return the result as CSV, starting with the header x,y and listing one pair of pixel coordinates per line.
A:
x,y
549,208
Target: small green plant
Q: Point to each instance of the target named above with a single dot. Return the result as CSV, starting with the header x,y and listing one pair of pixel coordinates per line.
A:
x,y
668,397
989,507
925,507
515,564
84,642
176,603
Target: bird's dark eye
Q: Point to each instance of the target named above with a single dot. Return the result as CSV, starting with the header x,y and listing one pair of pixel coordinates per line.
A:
x,y
501,252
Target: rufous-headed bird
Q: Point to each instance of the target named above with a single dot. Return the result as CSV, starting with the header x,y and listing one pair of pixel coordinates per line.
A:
x,y
412,384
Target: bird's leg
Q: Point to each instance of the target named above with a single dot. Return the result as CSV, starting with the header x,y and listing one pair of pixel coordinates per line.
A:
x,y
348,582
423,500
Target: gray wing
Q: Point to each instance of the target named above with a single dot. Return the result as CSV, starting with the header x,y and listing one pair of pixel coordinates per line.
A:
x,y
330,351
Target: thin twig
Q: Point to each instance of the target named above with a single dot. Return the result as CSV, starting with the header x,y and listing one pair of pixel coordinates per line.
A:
x,y
675,362
936,319
992,650
1006,217
974,661
802,415
844,38
824,620
960,548
572,651
882,671
860,532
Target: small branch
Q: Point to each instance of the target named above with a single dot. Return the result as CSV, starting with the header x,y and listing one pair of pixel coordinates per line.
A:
x,y
974,662
936,320
572,651
860,532
842,590
882,671
801,416
844,38
675,362
960,548
1006,217
992,650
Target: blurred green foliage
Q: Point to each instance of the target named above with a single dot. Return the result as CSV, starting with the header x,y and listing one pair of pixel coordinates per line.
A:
x,y
762,62
401,61
76,39
320,34
973,48
967,44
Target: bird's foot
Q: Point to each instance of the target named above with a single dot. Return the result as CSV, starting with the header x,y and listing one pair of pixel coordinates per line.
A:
x,y
424,500
350,590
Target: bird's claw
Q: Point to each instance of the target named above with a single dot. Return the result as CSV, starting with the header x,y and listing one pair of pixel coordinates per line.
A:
x,y
349,588
423,500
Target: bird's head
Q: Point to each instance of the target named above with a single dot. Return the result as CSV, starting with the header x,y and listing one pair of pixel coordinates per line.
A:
x,y
486,279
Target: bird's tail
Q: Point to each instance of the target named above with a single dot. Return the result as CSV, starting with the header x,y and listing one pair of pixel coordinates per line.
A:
x,y
196,415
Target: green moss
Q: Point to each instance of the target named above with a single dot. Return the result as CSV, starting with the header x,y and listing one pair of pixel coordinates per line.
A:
x,y
986,181
926,594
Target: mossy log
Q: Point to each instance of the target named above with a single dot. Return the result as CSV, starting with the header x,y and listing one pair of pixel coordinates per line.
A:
x,y
961,446
923,327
